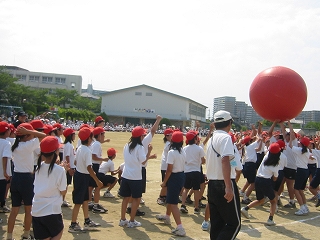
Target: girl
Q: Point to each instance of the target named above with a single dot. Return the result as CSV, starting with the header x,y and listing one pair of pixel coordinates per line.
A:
x,y
267,173
27,140
49,186
174,181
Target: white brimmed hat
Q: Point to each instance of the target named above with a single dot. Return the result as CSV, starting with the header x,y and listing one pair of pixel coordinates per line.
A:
x,y
221,116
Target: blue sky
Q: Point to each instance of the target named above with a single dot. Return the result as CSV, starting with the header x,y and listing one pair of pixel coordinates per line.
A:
x,y
196,49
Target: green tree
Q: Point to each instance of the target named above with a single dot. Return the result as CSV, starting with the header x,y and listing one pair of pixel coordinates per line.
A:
x,y
165,121
315,125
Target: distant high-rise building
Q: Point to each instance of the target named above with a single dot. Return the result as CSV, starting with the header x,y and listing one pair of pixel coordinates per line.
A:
x,y
309,116
224,103
241,112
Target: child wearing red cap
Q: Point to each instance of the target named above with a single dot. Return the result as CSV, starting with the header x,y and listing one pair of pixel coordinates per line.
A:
x,y
267,173
49,186
27,140
174,181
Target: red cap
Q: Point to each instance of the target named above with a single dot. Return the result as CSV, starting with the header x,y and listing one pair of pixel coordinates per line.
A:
x,y
246,140
111,152
84,125
265,133
281,144
37,124
98,119
191,135
4,126
138,131
168,131
233,137
49,144
48,128
57,125
12,128
97,130
274,148
305,141
84,133
67,132
177,137
27,126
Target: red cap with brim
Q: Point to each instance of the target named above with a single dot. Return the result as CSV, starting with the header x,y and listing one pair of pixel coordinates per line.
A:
x,y
84,133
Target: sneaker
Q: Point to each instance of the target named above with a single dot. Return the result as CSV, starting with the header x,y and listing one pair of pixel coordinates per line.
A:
x,y
90,205
179,200
196,211
290,205
318,203
164,218
246,201
179,232
189,201
65,204
138,213
306,209
300,212
241,194
282,195
270,222
205,225
5,209
314,198
279,203
201,205
183,209
74,228
30,237
97,208
123,223
245,213
142,201
133,224
91,225
161,201
108,194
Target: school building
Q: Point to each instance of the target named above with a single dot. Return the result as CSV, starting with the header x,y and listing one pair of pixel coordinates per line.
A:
x,y
140,104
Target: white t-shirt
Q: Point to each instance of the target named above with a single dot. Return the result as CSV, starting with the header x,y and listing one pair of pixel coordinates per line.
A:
x,y
47,198
316,154
222,144
267,171
97,150
145,142
106,167
291,158
133,162
177,160
301,159
251,153
5,151
60,142
164,156
236,164
68,151
23,156
84,159
194,153
282,162
36,154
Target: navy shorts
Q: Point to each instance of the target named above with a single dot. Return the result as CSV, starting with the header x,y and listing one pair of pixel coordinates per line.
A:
x,y
163,174
290,173
316,179
144,179
47,226
22,189
278,182
3,187
301,179
249,171
264,187
259,159
106,179
92,182
193,180
312,169
174,186
80,191
131,188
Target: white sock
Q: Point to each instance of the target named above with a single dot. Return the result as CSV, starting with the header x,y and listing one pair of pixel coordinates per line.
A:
x,y
179,226
291,201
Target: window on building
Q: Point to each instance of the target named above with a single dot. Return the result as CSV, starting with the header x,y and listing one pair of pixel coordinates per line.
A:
x,y
149,94
47,79
34,78
73,85
22,77
60,80
138,93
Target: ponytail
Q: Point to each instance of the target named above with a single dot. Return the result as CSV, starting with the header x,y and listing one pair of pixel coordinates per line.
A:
x,y
304,149
16,143
47,155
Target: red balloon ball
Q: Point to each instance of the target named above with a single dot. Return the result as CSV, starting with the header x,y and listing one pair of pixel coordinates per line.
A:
x,y
278,93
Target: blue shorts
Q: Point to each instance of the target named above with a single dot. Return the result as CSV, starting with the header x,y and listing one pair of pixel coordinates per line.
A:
x,y
174,186
22,189
312,169
264,187
80,191
106,179
301,179
47,226
249,171
278,182
95,168
193,180
131,188
290,173
316,179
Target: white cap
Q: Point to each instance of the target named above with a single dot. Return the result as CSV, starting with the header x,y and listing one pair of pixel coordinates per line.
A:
x,y
221,116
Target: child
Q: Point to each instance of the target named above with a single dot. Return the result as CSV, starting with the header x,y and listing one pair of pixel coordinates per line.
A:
x,y
49,186
81,178
174,180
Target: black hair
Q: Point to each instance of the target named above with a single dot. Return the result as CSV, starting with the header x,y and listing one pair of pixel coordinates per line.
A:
x,y
272,159
304,149
281,137
134,141
2,133
220,125
165,139
176,146
68,139
16,142
96,124
47,155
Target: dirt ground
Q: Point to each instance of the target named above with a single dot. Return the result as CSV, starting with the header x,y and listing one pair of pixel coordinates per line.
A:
x,y
288,225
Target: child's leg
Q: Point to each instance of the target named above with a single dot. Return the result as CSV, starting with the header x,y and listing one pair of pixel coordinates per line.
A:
x,y
27,217
124,204
134,208
75,212
207,213
96,195
110,186
12,219
176,213
85,209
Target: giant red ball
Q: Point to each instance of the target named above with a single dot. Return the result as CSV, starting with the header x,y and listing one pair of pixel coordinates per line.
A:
x,y
278,93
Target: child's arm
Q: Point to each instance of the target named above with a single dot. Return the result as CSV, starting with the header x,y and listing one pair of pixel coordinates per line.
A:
x,y
4,167
209,133
24,131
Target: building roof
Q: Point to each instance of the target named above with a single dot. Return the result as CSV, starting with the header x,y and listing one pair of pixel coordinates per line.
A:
x,y
153,88
88,95
16,68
